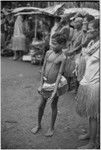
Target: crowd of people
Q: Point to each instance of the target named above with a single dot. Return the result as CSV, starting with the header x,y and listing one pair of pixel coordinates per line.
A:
x,y
73,53
72,56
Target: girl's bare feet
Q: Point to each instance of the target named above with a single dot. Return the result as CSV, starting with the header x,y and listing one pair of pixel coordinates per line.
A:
x,y
36,129
84,136
49,133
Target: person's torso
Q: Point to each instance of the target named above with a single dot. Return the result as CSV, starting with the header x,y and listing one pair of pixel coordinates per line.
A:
x,y
92,73
52,67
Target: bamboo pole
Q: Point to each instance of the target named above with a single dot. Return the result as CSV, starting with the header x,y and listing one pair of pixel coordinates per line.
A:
x,y
35,33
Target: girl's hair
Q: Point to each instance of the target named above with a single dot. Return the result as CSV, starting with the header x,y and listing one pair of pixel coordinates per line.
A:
x,y
65,20
96,23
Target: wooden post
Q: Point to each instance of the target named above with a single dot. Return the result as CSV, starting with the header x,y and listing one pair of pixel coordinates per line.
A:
x,y
48,4
35,35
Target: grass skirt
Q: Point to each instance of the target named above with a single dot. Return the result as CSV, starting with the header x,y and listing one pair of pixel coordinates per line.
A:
x,y
81,68
88,101
19,43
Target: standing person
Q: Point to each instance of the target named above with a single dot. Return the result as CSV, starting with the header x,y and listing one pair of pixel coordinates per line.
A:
x,y
86,38
53,84
26,31
88,97
75,48
19,39
80,63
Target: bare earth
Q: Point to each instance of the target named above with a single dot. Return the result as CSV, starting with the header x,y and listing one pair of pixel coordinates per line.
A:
x,y
19,106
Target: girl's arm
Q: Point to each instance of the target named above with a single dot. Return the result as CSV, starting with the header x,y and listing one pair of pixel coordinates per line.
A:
x,y
44,64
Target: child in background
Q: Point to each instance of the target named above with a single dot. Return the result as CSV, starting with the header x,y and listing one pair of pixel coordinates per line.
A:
x,y
53,84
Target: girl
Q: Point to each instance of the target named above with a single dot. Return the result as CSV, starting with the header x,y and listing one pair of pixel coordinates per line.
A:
x,y
53,84
88,97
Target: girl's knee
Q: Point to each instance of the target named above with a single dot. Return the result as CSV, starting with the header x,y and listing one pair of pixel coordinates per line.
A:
x,y
42,104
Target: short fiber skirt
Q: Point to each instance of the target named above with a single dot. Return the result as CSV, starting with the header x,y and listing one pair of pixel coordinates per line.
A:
x,y
47,88
69,66
88,101
19,43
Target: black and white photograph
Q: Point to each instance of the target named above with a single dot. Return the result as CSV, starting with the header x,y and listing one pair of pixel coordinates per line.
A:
x,y
50,74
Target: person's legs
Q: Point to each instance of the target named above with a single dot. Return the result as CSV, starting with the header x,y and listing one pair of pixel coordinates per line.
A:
x,y
40,114
93,133
69,83
76,86
98,133
20,55
15,55
87,135
53,118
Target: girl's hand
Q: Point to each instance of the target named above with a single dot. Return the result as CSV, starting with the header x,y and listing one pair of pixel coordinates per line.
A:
x,y
39,89
75,72
52,96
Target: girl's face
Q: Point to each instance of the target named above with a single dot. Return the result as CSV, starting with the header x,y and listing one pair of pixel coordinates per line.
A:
x,y
90,27
77,25
57,49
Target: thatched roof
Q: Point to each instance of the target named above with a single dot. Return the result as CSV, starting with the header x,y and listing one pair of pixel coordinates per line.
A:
x,y
50,11
26,9
83,11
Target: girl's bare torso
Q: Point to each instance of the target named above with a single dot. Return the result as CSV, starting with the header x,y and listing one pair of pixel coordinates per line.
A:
x,y
52,67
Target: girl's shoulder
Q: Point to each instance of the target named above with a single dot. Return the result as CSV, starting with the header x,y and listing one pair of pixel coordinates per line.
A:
x,y
61,57
49,52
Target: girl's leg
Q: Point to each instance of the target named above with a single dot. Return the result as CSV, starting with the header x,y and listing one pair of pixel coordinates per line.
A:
x,y
54,115
40,114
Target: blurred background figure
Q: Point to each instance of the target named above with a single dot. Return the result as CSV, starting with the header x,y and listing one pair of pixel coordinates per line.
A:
x,y
19,39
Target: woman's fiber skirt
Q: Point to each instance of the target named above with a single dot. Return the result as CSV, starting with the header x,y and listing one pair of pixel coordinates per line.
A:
x,y
69,67
19,43
88,100
81,68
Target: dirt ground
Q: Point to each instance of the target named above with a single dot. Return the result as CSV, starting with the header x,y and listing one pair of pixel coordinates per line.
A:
x,y
19,107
